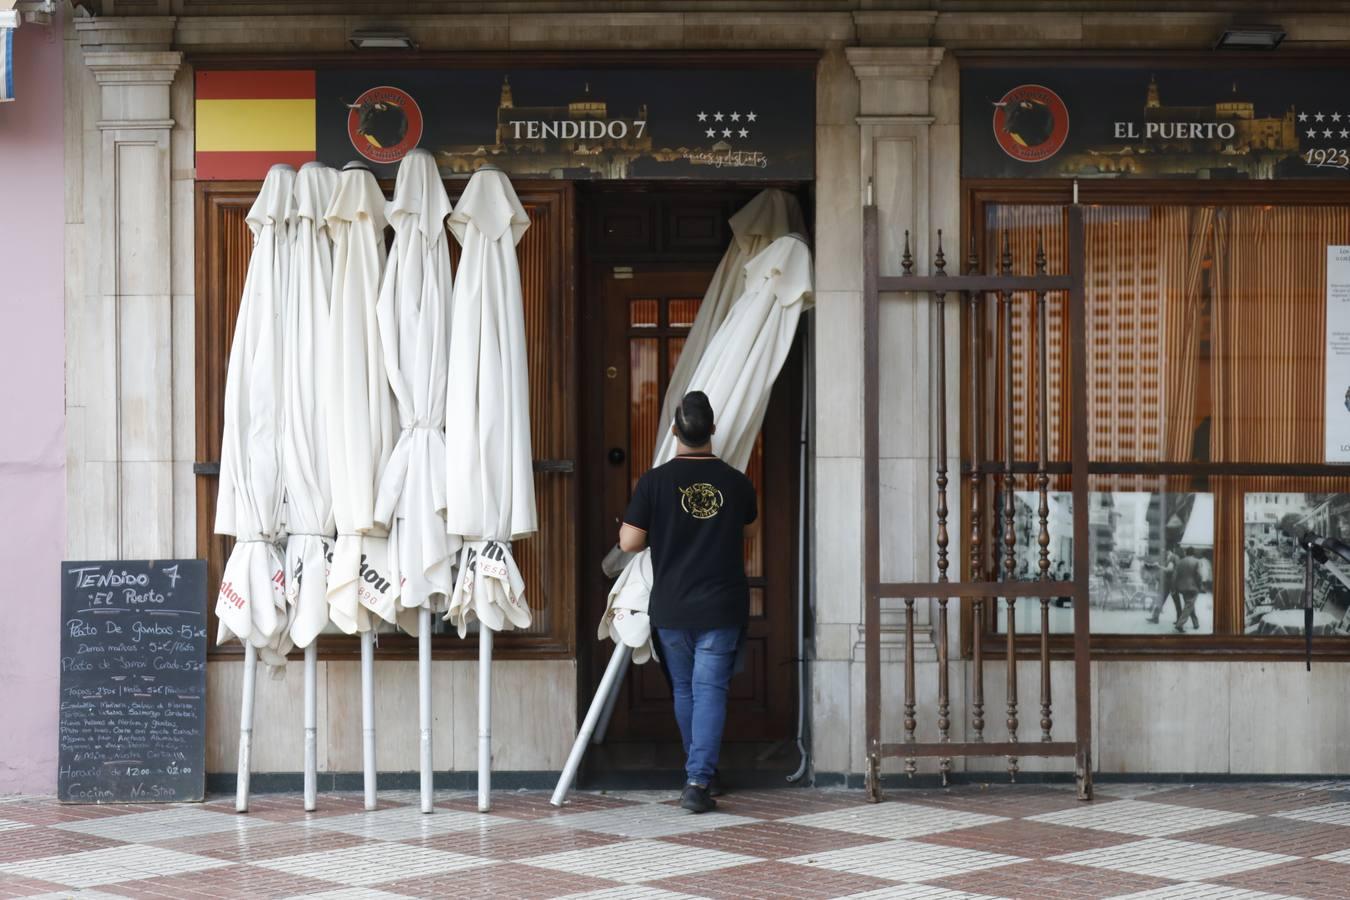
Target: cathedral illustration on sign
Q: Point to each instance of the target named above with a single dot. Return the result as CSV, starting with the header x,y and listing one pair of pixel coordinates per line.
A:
x,y
582,139
1224,140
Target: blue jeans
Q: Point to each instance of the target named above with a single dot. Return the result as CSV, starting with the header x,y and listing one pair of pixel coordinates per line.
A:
x,y
700,663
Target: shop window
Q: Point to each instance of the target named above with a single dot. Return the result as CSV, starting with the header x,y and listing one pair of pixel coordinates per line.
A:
x,y
1206,325
547,560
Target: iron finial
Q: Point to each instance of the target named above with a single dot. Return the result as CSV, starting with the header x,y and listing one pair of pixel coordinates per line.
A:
x,y
1007,255
907,260
973,260
1040,252
940,260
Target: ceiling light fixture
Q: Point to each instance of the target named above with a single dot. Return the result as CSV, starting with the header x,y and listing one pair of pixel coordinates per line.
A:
x,y
380,39
1250,37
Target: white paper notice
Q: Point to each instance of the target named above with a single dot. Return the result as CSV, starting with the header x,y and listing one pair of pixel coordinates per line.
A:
x,y
1338,354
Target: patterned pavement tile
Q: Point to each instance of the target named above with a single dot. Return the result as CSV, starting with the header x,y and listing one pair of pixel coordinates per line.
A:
x,y
1050,881
919,892
67,895
495,881
401,823
635,862
1258,799
46,811
253,845
1175,860
125,862
222,884
1009,800
649,820
163,824
8,825
1313,878
516,841
16,886
783,803
372,863
895,820
1277,835
1034,840
1196,891
630,892
910,861
772,840
535,804
1328,813
288,808
1128,790
771,881
1142,818
349,893
35,843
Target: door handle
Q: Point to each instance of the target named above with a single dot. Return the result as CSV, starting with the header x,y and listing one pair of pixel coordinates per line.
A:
x,y
617,456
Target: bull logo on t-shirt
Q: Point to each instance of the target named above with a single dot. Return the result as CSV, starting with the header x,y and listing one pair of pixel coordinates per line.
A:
x,y
702,501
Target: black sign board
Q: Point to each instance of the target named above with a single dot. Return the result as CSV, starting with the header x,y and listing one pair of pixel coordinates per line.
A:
x,y
714,124
133,681
1100,122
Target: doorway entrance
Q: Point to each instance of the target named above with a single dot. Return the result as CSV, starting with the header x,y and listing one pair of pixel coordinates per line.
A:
x,y
648,255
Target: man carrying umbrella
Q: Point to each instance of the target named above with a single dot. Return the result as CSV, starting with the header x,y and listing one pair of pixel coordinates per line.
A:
x,y
693,513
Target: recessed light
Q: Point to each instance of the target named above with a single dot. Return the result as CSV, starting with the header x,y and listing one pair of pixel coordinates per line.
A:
x,y
380,39
1250,37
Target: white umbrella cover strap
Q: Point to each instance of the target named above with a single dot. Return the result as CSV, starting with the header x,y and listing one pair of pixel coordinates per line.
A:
x,y
309,500
360,414
414,321
489,588
251,604
737,373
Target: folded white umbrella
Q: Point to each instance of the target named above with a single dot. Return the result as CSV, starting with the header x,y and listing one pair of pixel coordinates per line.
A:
x,y
304,441
414,327
771,214
252,602
737,373
309,499
360,414
489,463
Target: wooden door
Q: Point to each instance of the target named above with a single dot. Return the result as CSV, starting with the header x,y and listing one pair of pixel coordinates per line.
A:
x,y
645,318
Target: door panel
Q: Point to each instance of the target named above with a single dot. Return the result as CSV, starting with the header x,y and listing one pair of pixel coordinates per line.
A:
x,y
644,319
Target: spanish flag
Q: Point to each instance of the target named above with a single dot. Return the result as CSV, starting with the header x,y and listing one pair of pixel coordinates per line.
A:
x,y
248,122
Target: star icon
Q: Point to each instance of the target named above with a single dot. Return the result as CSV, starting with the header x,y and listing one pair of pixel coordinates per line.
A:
x,y
712,133
703,117
750,117
1335,117
1312,132
726,132
735,117
744,133
1302,117
717,117
1318,117
1326,133
1345,133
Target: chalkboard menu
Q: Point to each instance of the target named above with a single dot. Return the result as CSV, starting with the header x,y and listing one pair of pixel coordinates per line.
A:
x,y
133,681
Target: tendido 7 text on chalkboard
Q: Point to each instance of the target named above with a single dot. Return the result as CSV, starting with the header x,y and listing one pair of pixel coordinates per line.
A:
x,y
133,681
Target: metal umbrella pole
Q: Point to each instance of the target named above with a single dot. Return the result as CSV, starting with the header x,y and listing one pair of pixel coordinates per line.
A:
x,y
368,715
484,718
424,704
609,687
246,728
602,726
311,726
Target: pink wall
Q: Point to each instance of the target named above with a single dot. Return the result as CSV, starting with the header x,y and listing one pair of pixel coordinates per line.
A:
x,y
32,408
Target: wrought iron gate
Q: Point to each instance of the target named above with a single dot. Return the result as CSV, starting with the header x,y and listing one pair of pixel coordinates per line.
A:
x,y
975,291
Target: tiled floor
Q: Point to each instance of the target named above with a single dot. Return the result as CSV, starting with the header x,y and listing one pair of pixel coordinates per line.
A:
x,y
1142,842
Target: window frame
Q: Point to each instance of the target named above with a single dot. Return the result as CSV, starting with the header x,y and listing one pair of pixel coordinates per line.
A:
x,y
1226,643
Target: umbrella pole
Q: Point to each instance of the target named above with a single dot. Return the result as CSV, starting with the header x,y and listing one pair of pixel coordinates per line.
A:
x,y
246,728
424,703
609,684
368,714
484,718
311,726
611,701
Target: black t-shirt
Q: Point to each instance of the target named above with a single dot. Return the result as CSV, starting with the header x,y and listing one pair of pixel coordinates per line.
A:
x,y
694,510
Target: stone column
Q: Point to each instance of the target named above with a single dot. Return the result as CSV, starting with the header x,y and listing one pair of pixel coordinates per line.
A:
x,y
131,350
896,152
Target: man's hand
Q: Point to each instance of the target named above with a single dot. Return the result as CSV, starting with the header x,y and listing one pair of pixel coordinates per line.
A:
x,y
631,538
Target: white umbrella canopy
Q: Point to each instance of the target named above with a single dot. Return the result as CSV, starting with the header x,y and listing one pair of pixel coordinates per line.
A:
x,y
414,325
771,214
361,423
304,444
489,463
737,373
252,603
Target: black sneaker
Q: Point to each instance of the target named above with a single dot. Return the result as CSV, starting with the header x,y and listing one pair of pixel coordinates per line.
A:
x,y
696,799
715,788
